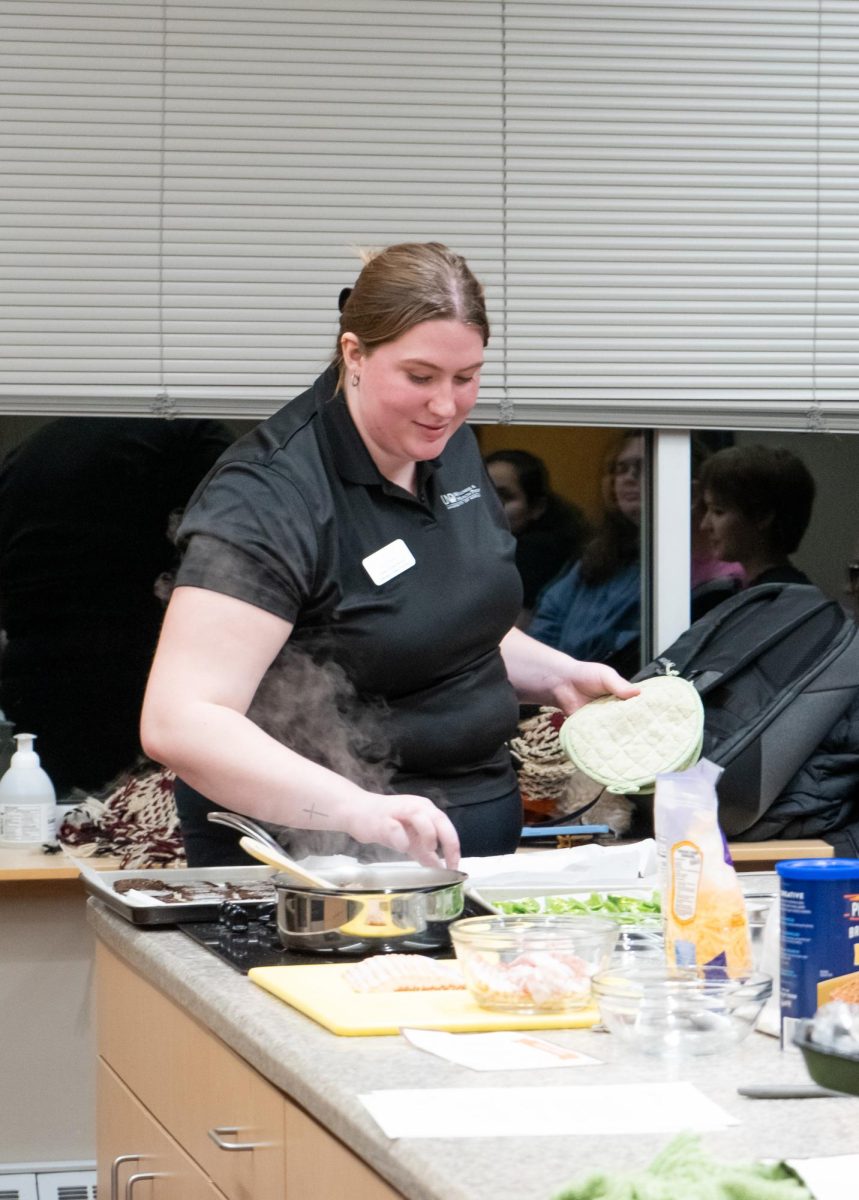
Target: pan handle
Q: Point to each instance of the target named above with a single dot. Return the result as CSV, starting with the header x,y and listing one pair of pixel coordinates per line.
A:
x,y
247,826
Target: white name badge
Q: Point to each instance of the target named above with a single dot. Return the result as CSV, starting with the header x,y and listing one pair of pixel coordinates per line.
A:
x,y
388,562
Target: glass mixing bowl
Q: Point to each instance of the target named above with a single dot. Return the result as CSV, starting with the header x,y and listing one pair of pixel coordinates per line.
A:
x,y
674,1014
532,963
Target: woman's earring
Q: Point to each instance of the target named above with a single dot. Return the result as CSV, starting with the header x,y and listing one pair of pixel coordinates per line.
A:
x,y
356,379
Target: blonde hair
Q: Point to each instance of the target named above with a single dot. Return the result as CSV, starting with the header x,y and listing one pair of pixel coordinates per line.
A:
x,y
403,285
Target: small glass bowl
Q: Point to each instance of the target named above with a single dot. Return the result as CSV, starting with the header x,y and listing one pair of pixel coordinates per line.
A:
x,y
635,943
759,908
532,963
677,1014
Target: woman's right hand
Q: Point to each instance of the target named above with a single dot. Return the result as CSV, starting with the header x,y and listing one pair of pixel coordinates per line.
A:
x,y
411,825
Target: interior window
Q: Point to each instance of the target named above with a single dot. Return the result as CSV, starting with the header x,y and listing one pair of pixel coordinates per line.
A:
x,y
579,501
578,465
89,507
576,500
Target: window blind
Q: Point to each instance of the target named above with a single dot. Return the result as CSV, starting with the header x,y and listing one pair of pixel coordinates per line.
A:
x,y
81,100
681,249
189,186
660,198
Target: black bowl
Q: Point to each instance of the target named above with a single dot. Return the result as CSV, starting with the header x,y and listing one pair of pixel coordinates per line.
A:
x,y
838,1072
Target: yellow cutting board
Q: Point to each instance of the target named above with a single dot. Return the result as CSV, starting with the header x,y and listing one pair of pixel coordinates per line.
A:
x,y
321,992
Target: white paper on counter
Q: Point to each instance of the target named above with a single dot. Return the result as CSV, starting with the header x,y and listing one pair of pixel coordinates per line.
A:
x,y
577,866
828,1178
613,1109
501,1051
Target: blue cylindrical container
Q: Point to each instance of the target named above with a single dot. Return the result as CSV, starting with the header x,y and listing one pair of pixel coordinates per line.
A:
x,y
819,936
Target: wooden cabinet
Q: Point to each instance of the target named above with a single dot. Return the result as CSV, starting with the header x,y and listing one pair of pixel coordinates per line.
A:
x,y
193,1084
174,1095
137,1160
318,1166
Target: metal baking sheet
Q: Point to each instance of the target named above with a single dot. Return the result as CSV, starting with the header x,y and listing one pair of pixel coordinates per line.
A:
x,y
151,912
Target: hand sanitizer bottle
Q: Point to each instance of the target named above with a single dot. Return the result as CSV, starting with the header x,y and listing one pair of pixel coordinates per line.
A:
x,y
27,799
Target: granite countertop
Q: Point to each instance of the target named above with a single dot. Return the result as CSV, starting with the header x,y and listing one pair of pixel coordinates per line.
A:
x,y
325,1074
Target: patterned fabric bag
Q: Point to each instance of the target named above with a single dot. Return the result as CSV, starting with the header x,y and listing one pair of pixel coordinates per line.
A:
x,y
552,788
135,821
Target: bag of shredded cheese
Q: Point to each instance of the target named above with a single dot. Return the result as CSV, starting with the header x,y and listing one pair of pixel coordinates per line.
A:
x,y
703,907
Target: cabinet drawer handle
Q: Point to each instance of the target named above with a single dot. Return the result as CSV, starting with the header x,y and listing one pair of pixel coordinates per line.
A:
x,y
132,1179
114,1172
217,1136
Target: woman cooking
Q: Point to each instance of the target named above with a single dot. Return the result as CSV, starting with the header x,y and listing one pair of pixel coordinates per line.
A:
x,y
354,537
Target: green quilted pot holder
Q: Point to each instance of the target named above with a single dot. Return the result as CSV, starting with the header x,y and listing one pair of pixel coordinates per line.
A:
x,y
625,744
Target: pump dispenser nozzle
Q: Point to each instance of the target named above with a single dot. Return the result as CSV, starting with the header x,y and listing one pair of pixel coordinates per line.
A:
x,y
25,755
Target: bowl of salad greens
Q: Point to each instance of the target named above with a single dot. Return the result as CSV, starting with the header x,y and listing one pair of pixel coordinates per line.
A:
x,y
638,918
622,909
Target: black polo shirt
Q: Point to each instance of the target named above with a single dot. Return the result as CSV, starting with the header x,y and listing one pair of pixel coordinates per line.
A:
x,y
406,597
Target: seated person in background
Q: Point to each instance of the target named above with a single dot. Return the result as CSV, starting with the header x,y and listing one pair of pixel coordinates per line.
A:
x,y
549,531
593,610
711,579
757,505
84,511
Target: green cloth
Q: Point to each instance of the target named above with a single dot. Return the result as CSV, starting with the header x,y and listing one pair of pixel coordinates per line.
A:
x,y
684,1172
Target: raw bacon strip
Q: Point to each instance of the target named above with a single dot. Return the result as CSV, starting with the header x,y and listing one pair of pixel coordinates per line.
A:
x,y
542,978
403,973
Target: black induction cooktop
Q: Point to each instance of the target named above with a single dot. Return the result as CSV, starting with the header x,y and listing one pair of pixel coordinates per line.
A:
x,y
245,935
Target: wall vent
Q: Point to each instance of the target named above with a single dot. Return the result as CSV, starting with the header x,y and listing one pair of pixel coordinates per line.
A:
x,y
66,1185
18,1187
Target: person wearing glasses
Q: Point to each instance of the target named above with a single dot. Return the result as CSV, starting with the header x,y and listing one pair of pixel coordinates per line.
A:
x,y
592,611
549,530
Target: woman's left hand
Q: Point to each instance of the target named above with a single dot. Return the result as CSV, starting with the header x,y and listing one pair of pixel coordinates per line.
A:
x,y
542,675
586,681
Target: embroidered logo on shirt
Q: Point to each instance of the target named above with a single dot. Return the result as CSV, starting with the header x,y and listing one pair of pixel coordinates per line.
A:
x,y
457,499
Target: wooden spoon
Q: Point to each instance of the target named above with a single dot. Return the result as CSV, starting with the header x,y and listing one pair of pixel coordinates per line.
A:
x,y
281,860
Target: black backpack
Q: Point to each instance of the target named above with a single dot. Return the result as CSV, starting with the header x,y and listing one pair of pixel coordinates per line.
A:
x,y
776,666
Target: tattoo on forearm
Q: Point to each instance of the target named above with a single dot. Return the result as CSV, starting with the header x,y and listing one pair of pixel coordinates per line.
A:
x,y
313,812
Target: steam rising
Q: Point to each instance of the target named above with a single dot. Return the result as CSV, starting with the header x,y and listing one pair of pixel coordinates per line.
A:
x,y
312,707
306,702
